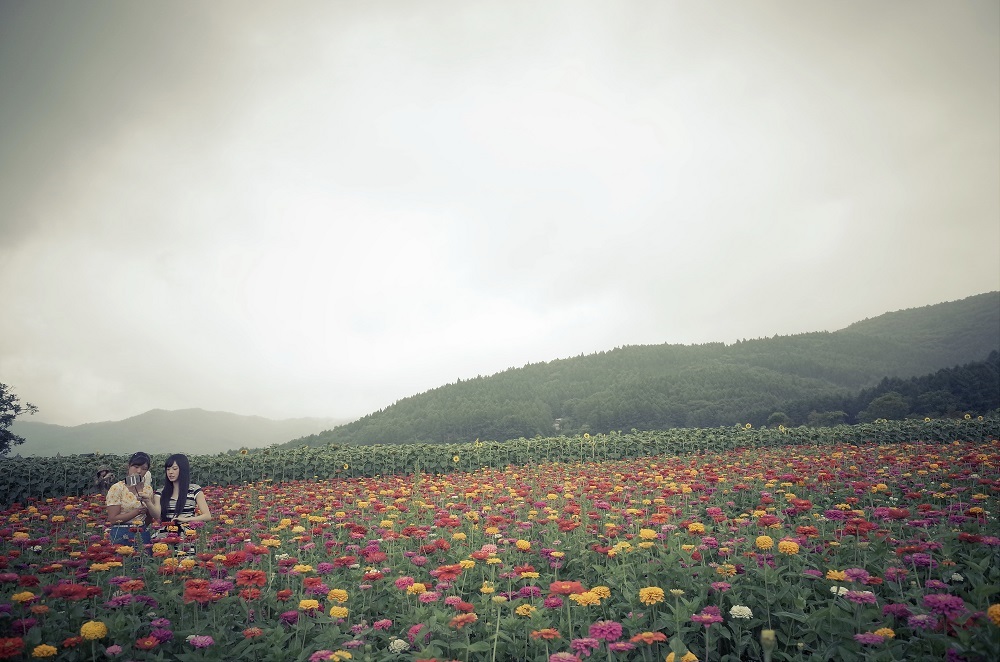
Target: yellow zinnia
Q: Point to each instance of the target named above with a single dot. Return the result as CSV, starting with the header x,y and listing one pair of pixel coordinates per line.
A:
x,y
651,595
337,595
586,598
44,650
92,630
764,542
339,612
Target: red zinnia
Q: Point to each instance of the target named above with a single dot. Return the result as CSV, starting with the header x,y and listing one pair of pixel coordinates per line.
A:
x,y
447,573
251,577
10,647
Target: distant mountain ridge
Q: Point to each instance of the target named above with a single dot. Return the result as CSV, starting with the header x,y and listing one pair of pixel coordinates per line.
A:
x,y
650,387
190,431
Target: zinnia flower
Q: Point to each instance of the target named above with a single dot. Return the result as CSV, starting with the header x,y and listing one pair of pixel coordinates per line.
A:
x,y
460,621
200,640
648,637
605,630
10,647
764,542
707,616
651,595
949,606
44,650
92,630
741,612
337,595
248,577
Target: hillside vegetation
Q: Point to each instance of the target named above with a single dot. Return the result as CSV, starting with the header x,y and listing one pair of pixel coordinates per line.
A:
x,y
822,378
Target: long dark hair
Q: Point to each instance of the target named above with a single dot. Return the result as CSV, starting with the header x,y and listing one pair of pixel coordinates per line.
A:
x,y
183,483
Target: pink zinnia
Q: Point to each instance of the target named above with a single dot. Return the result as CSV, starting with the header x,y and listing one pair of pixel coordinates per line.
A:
x,y
382,624
949,606
922,622
564,657
859,575
708,616
414,630
606,630
200,640
584,645
869,638
861,597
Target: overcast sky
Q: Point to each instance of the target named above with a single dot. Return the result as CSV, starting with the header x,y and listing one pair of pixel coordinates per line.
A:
x,y
318,208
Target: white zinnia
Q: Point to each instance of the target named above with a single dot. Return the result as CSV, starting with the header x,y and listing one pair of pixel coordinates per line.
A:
x,y
838,590
398,646
741,611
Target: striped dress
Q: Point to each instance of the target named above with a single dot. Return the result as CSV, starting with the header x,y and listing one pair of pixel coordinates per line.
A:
x,y
190,503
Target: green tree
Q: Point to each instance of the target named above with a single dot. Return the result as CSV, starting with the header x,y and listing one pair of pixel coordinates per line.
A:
x,y
11,408
892,406
779,418
826,419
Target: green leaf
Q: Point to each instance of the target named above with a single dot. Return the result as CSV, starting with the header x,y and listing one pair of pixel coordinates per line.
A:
x,y
801,618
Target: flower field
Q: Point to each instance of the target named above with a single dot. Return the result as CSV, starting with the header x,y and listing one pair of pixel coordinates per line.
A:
x,y
824,551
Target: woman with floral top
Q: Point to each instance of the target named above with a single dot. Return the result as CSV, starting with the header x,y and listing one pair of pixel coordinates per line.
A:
x,y
128,514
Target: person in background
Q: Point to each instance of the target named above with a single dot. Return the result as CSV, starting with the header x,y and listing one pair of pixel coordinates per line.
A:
x,y
104,478
127,513
180,501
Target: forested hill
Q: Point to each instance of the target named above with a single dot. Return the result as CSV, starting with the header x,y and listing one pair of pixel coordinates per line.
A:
x,y
665,386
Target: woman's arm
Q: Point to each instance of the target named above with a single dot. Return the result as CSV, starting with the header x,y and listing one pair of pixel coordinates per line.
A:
x,y
152,504
206,514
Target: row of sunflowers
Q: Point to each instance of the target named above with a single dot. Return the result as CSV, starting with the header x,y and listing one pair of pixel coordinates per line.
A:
x,y
42,477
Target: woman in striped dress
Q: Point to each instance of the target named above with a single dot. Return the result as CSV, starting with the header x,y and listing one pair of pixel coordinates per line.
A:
x,y
180,501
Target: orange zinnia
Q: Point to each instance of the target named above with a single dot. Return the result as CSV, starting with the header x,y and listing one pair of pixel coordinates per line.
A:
x,y
648,637
566,588
462,620
547,633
